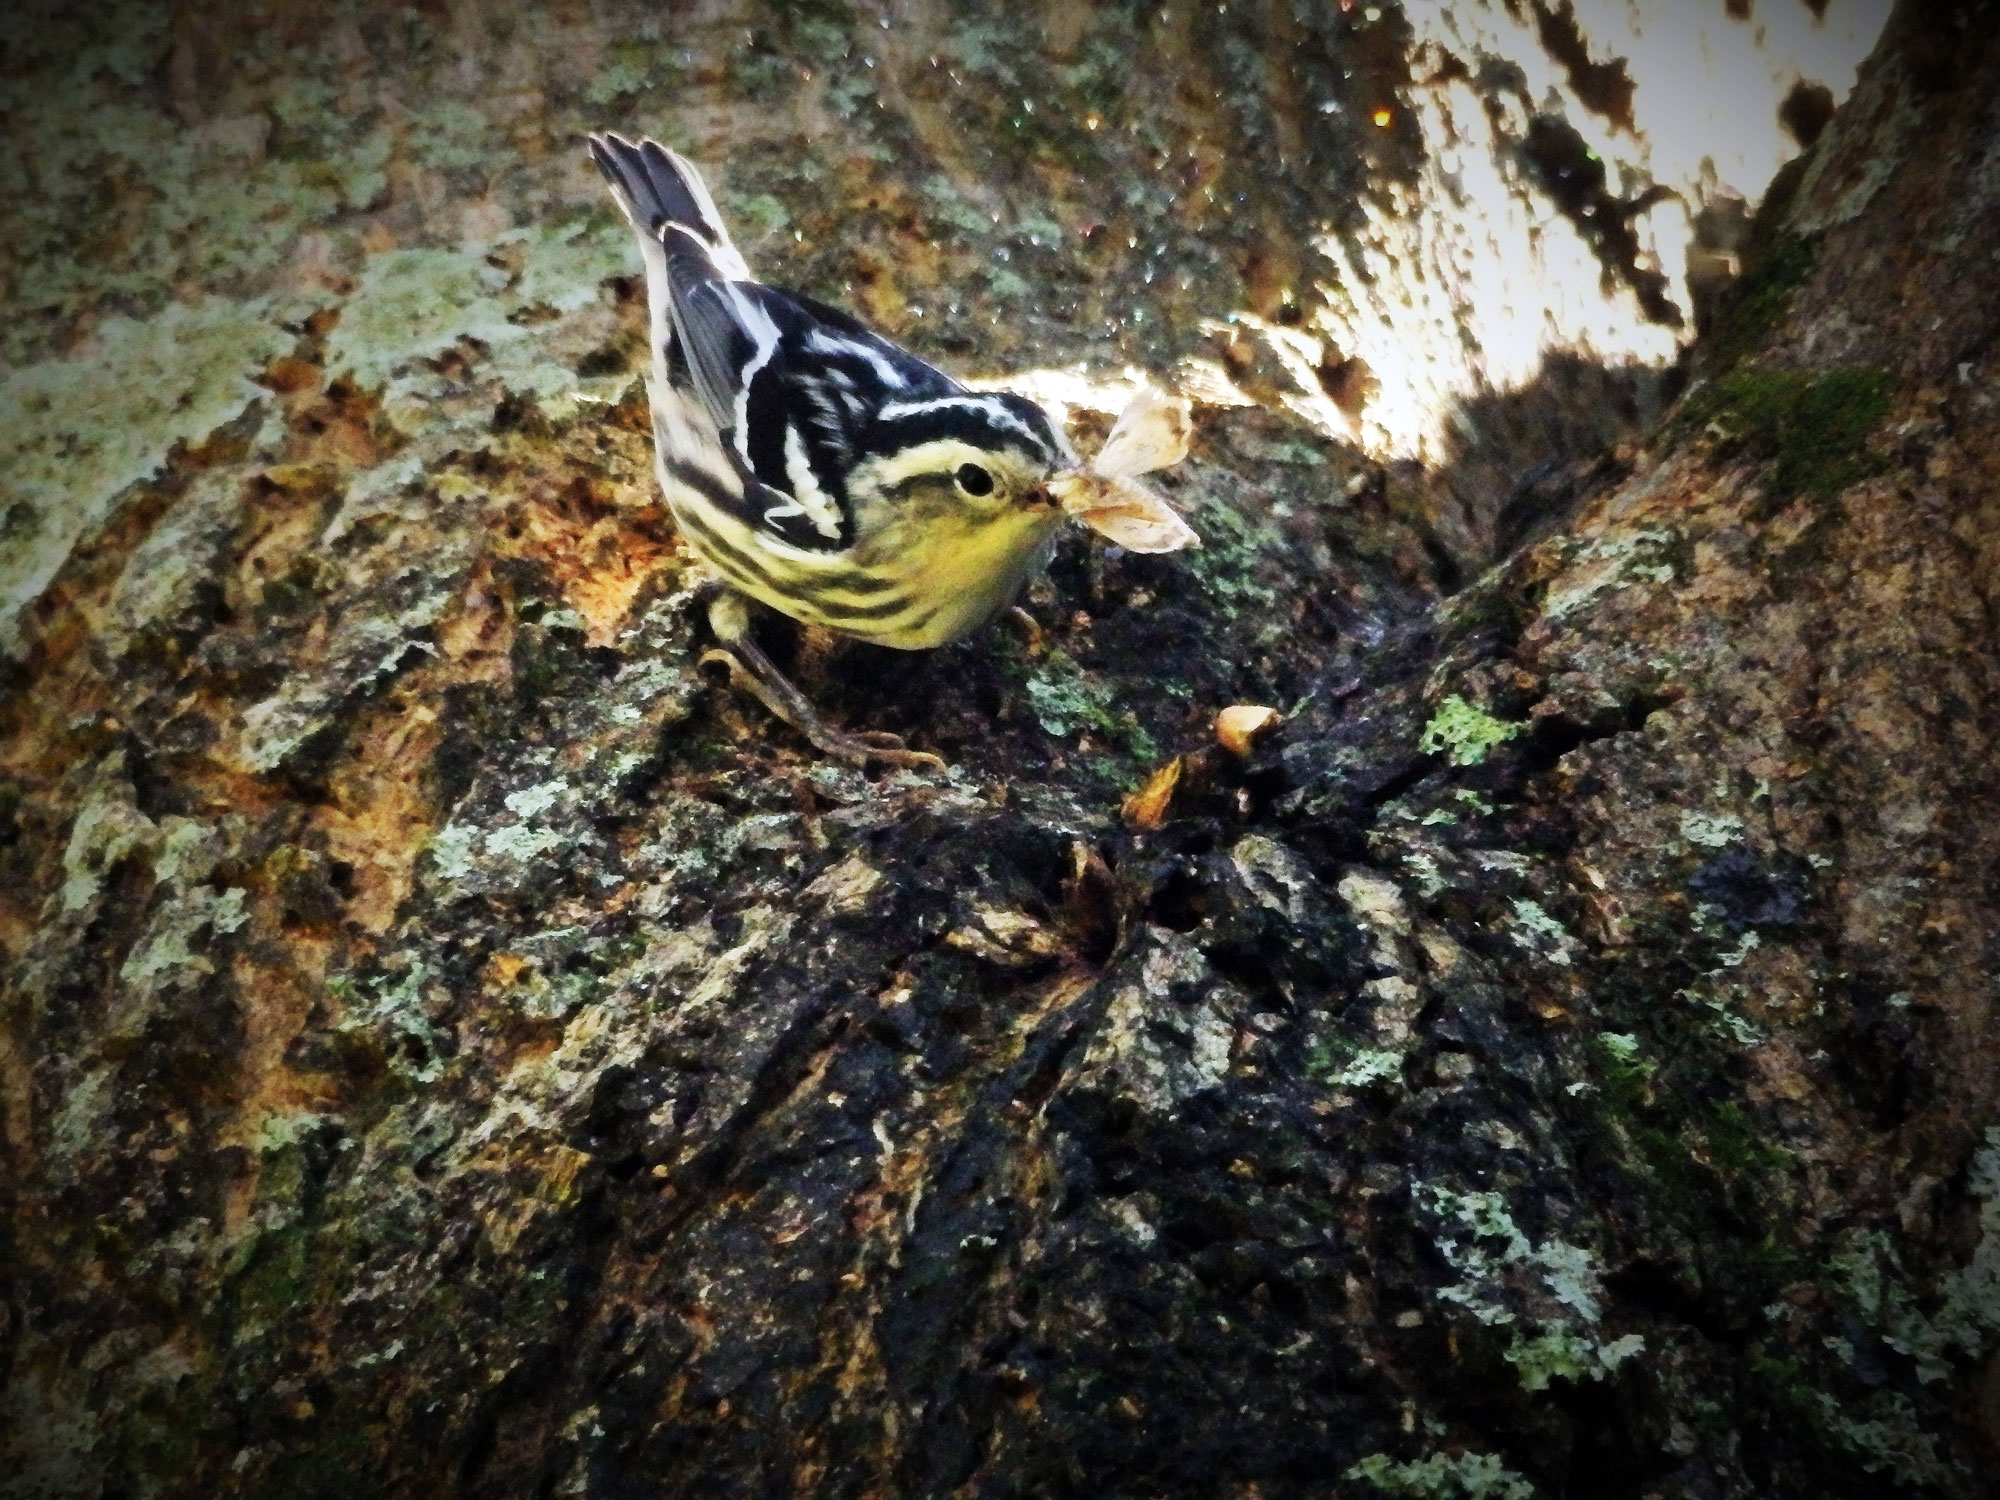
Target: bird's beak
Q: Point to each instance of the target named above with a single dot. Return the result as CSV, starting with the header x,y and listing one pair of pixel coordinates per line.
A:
x,y
1043,495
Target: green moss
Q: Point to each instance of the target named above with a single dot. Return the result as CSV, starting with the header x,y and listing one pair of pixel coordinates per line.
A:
x,y
161,1434
1444,1476
1232,546
1490,604
794,13
1812,429
1759,299
1067,701
1736,1144
1464,733
295,1268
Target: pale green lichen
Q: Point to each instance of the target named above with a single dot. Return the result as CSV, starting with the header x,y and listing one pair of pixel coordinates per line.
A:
x,y
1369,1066
1720,998
1971,1311
1885,1435
1542,934
1621,1045
172,950
280,1132
76,433
189,853
108,830
564,618
1565,1314
1571,1274
533,801
1711,830
459,851
1561,1353
77,1126
1464,733
1606,563
1746,944
394,1007
1885,105
452,851
1966,1315
560,982
1444,1476
1423,865
522,843
411,304
369,648
632,66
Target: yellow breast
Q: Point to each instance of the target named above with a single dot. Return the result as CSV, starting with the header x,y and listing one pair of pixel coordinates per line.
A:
x,y
911,581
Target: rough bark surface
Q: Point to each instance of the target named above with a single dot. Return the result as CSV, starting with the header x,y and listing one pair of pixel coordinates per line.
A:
x,y
450,1046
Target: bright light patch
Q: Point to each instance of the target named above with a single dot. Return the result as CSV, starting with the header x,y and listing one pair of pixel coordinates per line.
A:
x,y
1462,282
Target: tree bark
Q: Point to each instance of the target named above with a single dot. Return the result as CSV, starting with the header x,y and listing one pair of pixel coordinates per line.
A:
x,y
450,1046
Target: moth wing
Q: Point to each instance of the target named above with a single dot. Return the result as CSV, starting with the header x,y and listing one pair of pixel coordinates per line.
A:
x,y
1151,433
1124,511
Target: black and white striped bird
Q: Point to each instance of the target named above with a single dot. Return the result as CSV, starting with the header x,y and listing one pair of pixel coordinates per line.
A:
x,y
816,467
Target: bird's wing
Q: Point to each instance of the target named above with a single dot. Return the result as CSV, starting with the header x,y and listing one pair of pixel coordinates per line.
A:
x,y
793,387
727,331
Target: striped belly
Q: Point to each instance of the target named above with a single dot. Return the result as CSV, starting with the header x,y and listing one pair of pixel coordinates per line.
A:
x,y
906,587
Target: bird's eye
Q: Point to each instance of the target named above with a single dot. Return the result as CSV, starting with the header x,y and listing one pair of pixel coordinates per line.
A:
x,y
974,480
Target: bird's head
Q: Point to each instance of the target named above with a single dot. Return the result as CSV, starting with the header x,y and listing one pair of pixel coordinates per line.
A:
x,y
986,455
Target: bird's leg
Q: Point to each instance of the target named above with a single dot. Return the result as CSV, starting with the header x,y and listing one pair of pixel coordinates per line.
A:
x,y
753,671
1032,634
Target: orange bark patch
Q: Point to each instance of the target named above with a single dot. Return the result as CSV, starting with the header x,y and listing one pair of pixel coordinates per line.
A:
x,y
276,1003
595,556
378,809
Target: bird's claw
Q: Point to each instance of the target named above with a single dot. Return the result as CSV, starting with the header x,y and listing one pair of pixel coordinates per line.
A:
x,y
765,683
868,745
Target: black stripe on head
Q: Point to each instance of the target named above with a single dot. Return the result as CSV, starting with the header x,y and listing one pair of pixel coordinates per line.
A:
x,y
1053,450
987,419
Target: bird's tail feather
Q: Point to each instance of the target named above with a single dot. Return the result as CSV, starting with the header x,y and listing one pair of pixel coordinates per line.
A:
x,y
656,187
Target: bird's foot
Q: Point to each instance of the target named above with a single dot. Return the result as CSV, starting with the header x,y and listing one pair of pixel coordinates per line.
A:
x,y
869,745
755,673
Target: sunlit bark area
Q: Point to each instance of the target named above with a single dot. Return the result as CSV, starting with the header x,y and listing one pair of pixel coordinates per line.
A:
x,y
451,1044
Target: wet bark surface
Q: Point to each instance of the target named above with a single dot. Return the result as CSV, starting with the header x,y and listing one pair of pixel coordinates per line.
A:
x,y
452,1046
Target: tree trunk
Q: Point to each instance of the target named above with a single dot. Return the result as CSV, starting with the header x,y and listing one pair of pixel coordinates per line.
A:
x,y
452,1046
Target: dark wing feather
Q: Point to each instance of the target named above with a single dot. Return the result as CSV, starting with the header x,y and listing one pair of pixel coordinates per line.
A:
x,y
724,332
812,381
